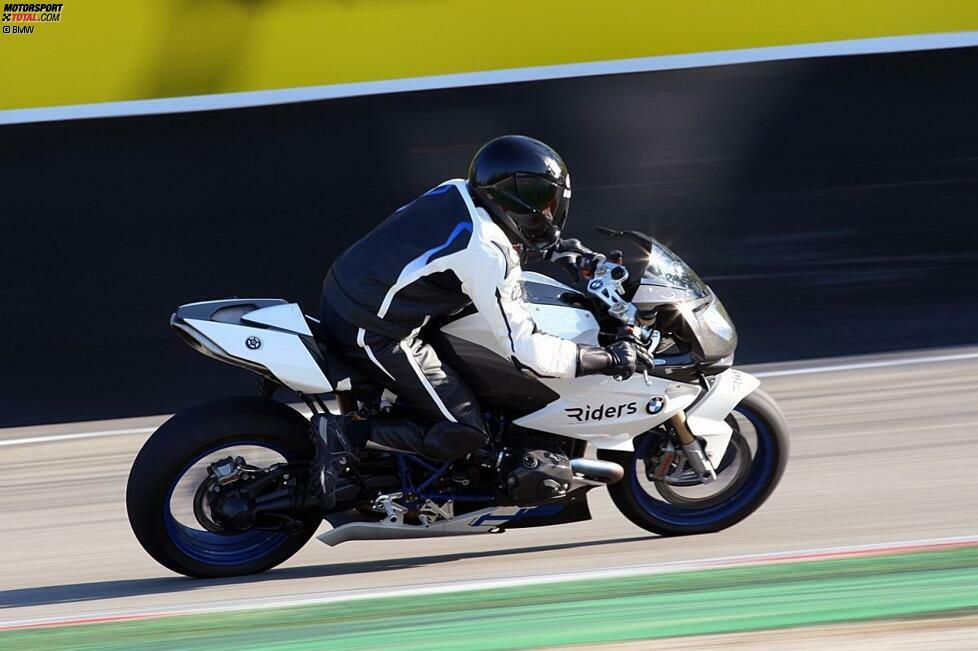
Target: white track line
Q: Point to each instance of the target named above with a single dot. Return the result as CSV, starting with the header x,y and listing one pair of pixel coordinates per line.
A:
x,y
906,361
72,437
885,44
310,599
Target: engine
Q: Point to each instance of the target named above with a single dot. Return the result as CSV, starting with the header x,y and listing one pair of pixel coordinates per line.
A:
x,y
535,476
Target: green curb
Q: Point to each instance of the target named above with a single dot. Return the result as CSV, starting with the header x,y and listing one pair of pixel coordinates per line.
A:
x,y
576,612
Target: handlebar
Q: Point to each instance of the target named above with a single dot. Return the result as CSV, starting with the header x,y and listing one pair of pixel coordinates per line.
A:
x,y
607,285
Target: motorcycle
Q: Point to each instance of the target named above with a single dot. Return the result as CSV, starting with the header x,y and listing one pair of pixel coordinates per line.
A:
x,y
688,446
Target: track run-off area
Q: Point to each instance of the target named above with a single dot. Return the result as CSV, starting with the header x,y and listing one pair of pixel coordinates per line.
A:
x,y
878,498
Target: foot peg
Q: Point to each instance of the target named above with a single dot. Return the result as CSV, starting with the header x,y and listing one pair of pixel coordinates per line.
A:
x,y
393,512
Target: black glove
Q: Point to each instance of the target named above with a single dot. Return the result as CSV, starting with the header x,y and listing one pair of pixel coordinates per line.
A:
x,y
625,356
644,361
570,245
619,359
580,260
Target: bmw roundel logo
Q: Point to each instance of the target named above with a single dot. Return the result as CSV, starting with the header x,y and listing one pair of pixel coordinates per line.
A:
x,y
655,405
253,343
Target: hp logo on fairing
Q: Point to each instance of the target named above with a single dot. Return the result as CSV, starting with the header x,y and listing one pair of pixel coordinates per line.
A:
x,y
253,343
655,405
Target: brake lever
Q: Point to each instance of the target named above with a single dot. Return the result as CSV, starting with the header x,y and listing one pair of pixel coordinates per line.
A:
x,y
654,337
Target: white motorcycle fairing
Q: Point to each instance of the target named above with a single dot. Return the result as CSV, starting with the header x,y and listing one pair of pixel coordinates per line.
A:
x,y
262,335
608,413
707,418
272,337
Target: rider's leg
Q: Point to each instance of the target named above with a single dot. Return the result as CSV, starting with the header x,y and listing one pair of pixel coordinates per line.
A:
x,y
437,393
451,421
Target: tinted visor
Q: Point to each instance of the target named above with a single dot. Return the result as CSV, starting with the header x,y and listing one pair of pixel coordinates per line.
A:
x,y
540,209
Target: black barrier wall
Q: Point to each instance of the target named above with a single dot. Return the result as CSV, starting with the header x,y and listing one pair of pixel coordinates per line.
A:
x,y
832,204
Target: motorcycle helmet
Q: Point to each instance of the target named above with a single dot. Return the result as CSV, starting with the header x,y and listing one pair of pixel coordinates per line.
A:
x,y
524,185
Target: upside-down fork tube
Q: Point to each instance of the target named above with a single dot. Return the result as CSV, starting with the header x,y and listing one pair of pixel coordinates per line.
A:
x,y
694,451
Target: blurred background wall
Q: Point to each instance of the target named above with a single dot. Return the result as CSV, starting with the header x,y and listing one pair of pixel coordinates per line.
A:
x,y
112,50
831,202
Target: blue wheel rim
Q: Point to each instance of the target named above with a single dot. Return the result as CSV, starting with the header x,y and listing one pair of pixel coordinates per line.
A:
x,y
761,467
214,548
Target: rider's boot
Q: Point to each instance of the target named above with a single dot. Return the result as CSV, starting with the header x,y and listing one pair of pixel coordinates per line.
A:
x,y
335,450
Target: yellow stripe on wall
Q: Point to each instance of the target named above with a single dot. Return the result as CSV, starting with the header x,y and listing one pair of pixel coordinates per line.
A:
x,y
141,49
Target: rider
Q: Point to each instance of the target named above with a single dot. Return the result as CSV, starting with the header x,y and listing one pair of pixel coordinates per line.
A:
x,y
459,244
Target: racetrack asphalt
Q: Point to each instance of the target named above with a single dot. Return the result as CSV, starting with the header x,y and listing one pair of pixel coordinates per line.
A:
x,y
882,452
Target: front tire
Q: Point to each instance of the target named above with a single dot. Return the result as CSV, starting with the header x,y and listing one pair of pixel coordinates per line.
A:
x,y
674,518
184,440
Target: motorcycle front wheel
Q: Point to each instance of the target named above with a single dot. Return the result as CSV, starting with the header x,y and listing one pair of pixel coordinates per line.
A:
x,y
748,475
164,497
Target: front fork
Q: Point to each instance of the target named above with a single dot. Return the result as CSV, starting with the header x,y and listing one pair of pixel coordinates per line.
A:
x,y
694,450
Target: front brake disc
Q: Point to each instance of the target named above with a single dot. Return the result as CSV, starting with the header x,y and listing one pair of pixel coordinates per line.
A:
x,y
737,449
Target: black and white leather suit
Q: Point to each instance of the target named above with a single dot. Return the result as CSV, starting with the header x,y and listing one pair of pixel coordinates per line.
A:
x,y
435,256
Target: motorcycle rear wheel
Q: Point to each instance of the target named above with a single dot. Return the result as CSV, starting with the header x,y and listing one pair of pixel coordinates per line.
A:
x,y
675,519
183,441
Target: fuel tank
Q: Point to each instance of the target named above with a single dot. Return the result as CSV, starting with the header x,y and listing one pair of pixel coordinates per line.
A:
x,y
464,343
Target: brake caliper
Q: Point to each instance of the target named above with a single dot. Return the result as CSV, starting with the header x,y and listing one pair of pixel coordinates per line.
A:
x,y
660,465
226,471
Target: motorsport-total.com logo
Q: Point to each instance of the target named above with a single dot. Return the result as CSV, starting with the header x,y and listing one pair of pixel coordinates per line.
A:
x,y
25,16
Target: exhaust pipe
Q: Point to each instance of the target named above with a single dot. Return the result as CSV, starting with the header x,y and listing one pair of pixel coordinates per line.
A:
x,y
606,472
361,527
488,520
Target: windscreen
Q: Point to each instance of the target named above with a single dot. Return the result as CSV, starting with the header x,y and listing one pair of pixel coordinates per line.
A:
x,y
667,268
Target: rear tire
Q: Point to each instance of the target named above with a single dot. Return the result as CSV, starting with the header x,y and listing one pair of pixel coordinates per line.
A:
x,y
670,520
189,436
